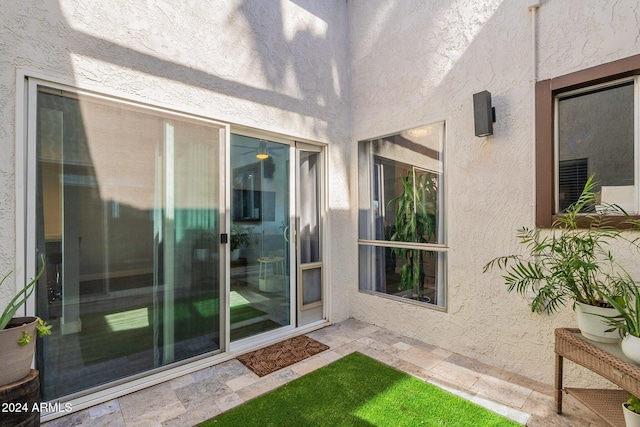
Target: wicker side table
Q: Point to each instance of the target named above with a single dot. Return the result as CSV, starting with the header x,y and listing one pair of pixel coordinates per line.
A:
x,y
605,360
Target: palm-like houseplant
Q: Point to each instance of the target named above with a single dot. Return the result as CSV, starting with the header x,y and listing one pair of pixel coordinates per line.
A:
x,y
627,319
627,304
569,263
415,222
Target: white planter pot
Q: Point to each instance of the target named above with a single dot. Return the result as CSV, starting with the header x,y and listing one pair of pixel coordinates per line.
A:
x,y
235,254
15,359
631,348
593,326
631,419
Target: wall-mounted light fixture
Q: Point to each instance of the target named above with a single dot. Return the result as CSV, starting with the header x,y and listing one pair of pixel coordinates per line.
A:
x,y
262,153
484,115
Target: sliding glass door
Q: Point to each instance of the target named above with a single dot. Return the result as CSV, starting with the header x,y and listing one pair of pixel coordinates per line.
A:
x,y
129,208
128,219
259,240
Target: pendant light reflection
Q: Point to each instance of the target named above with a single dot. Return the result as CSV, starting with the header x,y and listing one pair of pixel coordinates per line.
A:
x,y
262,150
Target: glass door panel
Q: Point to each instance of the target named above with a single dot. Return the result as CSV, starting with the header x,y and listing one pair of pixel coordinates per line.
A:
x,y
128,219
188,303
309,213
259,244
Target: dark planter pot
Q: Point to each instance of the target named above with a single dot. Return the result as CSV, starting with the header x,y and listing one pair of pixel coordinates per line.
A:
x,y
20,402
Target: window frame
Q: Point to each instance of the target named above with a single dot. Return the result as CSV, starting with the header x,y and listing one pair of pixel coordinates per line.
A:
x,y
440,248
546,92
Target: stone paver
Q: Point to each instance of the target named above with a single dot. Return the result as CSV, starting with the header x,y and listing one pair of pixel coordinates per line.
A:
x,y
459,375
193,398
151,406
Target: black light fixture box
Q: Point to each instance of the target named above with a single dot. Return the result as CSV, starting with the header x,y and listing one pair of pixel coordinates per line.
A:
x,y
483,113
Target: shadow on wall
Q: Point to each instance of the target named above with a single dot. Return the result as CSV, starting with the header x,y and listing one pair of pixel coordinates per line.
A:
x,y
308,82
310,88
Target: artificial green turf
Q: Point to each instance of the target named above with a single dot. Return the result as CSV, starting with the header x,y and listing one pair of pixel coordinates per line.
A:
x,y
358,391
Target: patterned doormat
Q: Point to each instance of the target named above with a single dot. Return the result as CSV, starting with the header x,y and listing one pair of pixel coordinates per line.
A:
x,y
281,354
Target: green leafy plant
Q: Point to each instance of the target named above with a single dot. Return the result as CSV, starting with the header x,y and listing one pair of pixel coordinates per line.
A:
x,y
415,222
569,263
240,236
628,306
17,301
633,404
42,328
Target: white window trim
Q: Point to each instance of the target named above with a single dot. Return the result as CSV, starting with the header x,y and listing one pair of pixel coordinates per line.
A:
x,y
442,284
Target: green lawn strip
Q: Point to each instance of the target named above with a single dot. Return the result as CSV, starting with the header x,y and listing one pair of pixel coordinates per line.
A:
x,y
358,391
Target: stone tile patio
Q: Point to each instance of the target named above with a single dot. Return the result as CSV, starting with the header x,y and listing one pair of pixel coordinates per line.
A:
x,y
193,398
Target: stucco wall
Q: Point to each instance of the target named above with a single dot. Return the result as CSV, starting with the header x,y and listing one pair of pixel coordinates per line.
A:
x,y
339,72
276,66
417,62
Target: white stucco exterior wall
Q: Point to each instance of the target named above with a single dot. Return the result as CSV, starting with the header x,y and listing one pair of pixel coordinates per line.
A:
x,y
416,62
337,72
276,66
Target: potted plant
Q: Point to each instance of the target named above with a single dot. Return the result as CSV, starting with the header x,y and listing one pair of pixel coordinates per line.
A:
x,y
17,343
240,237
627,320
570,264
204,246
415,222
631,410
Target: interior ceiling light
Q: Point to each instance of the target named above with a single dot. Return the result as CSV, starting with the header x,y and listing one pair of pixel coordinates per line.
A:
x,y
262,150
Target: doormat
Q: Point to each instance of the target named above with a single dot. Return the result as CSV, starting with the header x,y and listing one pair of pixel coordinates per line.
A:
x,y
282,354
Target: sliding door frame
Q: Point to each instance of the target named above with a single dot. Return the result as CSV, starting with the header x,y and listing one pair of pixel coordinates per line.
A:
x,y
26,241
301,307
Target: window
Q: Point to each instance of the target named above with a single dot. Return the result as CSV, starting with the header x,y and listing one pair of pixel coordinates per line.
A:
x,y
595,137
402,247
585,125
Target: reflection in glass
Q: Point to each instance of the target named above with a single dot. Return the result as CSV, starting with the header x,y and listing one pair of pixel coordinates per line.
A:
x,y
402,176
309,211
128,220
382,269
312,286
596,137
406,202
258,242
401,226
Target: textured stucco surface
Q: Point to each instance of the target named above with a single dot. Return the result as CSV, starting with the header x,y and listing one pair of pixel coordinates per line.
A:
x,y
276,66
338,72
413,63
